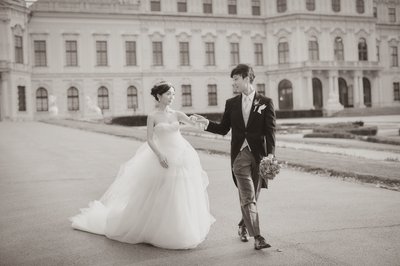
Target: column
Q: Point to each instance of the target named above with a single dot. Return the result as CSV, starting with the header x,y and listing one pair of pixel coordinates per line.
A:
x,y
309,89
333,104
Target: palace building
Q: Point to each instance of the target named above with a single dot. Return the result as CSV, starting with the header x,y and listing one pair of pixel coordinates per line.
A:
x,y
65,57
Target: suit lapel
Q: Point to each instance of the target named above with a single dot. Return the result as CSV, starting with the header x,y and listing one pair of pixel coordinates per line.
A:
x,y
252,114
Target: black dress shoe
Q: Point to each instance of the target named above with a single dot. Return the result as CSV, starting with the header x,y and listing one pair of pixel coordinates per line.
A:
x,y
243,234
259,243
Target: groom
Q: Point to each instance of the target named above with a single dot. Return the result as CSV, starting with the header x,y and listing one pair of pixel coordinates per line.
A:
x,y
251,117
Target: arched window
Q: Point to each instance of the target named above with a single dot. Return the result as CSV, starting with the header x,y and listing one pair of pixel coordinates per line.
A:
x,y
132,97
285,92
310,5
281,5
336,5
360,7
367,92
345,93
313,50
42,102
339,51
283,51
102,98
73,99
317,93
362,50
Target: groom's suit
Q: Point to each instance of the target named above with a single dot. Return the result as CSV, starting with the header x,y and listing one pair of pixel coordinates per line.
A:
x,y
259,132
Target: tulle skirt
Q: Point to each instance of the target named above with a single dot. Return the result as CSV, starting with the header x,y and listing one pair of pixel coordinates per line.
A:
x,y
147,203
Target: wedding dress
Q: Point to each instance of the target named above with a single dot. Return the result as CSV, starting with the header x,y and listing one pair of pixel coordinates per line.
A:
x,y
165,207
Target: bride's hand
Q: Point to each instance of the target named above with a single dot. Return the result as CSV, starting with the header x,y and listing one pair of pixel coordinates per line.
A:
x,y
163,160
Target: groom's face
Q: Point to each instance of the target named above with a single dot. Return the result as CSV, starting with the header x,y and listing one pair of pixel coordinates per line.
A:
x,y
239,83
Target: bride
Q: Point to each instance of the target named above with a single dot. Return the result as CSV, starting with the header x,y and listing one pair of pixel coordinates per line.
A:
x,y
159,196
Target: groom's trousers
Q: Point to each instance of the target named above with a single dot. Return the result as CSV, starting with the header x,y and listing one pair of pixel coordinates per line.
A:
x,y
245,169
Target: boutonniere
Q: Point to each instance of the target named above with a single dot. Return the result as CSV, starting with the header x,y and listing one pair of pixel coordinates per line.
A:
x,y
258,107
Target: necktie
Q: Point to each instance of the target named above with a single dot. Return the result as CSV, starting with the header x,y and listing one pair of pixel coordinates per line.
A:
x,y
246,109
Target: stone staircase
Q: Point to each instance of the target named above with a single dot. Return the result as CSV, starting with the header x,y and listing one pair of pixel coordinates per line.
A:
x,y
368,111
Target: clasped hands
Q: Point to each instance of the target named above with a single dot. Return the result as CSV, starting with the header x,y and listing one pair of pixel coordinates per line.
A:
x,y
198,119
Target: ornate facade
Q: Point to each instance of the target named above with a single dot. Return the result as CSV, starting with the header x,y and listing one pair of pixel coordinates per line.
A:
x,y
65,57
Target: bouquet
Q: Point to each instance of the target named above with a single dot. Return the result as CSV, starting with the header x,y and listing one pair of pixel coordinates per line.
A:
x,y
269,168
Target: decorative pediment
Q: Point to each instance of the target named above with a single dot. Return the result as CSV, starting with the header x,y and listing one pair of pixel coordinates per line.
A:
x,y
209,36
17,30
283,32
234,37
338,32
312,31
156,35
362,33
257,37
183,36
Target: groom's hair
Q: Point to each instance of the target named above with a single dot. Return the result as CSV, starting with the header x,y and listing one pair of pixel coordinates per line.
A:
x,y
243,70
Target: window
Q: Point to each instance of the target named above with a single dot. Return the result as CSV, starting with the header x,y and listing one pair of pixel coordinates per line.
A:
x,y
210,54
360,6
310,5
182,6
255,7
394,56
42,103
375,12
21,99
19,55
234,53
212,95
102,98
130,53
184,53
378,56
157,54
186,95
132,97
336,5
313,50
232,7
283,52
155,5
339,52
258,52
101,50
261,89
71,51
207,6
40,53
285,94
73,99
362,50
396,91
281,6
392,15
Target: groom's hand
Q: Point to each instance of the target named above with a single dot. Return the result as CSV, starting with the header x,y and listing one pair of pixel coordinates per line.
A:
x,y
200,119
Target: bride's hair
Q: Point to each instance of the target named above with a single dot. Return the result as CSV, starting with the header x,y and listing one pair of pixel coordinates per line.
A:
x,y
160,88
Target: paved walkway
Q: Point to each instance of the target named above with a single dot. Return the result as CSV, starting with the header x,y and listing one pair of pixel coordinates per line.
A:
x,y
368,162
48,172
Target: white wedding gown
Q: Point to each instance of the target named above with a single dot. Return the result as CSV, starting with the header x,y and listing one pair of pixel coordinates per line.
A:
x,y
165,207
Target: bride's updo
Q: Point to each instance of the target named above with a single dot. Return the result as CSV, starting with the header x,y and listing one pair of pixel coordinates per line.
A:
x,y
160,88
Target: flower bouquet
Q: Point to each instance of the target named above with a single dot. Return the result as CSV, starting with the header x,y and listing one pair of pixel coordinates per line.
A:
x,y
269,168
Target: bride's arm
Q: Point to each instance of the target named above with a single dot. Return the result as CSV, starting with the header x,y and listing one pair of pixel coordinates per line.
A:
x,y
150,141
182,117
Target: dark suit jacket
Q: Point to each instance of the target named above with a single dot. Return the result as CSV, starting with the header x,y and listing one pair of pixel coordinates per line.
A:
x,y
259,132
